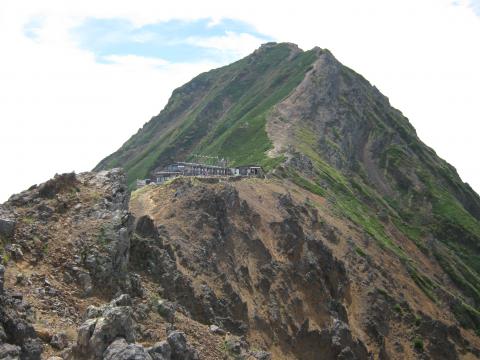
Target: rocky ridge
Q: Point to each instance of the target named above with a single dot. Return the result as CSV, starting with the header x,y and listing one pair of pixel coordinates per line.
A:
x,y
359,243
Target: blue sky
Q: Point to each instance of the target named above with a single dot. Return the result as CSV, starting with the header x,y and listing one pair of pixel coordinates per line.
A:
x,y
173,41
475,4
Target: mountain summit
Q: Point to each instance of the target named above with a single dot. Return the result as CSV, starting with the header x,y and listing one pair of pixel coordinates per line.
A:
x,y
314,122
356,242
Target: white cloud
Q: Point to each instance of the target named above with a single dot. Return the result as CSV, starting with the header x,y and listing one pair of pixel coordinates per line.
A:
x,y
236,43
60,110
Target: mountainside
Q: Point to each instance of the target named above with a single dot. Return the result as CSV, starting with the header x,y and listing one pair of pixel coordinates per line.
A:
x,y
359,243
223,111
316,122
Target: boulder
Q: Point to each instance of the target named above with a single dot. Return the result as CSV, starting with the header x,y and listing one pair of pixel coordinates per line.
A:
x,y
180,349
214,329
7,227
262,355
146,228
60,182
59,341
112,321
160,351
9,352
121,350
122,300
166,309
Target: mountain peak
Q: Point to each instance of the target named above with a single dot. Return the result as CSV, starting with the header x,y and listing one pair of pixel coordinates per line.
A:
x,y
355,241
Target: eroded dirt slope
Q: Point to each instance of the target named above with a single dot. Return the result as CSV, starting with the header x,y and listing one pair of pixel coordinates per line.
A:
x,y
279,265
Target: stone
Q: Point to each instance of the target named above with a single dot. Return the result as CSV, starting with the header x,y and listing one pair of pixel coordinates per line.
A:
x,y
121,350
146,228
262,355
214,329
7,227
59,341
3,335
84,333
2,277
20,279
180,349
53,186
9,352
160,351
31,349
92,312
111,322
166,309
85,282
122,300
15,251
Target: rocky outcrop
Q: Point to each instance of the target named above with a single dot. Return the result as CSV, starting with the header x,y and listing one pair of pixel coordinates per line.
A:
x,y
7,225
18,339
336,342
120,349
108,333
103,325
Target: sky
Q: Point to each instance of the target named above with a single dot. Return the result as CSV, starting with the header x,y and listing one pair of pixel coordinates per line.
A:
x,y
78,78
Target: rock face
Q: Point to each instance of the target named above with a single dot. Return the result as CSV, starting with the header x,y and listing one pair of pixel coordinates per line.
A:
x,y
269,264
103,326
18,339
108,333
230,227
7,223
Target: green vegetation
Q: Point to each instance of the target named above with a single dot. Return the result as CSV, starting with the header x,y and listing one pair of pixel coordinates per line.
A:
x,y
360,252
423,282
418,343
305,183
102,236
418,320
398,309
222,112
466,315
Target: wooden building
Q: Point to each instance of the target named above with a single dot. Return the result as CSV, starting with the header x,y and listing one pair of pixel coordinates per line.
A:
x,y
196,169
248,170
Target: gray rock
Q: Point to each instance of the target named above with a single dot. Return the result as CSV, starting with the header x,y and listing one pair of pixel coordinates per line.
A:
x,y
262,355
31,349
121,350
166,309
160,351
146,228
112,322
59,341
92,312
9,352
85,282
7,227
214,329
3,335
84,333
15,251
2,277
180,349
122,300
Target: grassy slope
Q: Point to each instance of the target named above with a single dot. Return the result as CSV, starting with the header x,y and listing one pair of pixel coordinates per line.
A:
x,y
223,115
432,212
223,112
